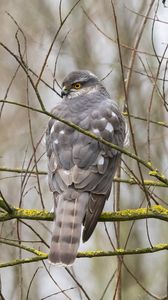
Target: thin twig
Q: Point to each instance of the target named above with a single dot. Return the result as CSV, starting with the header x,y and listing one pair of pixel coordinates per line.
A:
x,y
53,41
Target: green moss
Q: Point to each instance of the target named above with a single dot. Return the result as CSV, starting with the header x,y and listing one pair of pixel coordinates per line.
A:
x,y
160,246
33,214
149,164
157,174
153,173
29,212
39,253
132,212
120,250
159,209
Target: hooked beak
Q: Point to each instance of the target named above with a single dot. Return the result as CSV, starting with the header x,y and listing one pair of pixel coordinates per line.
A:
x,y
64,91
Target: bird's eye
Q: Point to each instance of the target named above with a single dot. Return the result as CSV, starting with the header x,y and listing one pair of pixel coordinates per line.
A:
x,y
77,85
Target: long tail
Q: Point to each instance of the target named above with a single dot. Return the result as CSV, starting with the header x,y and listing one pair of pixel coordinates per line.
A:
x,y
70,209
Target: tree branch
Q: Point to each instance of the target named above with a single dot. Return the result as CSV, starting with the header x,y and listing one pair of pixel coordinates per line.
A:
x,y
130,181
117,252
155,211
153,171
87,254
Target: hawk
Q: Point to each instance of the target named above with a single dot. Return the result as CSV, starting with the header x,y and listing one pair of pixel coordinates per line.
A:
x,y
81,169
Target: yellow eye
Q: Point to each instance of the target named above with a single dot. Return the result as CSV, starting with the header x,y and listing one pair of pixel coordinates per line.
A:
x,y
77,85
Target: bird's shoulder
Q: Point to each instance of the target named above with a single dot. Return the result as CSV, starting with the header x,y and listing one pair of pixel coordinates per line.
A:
x,y
102,118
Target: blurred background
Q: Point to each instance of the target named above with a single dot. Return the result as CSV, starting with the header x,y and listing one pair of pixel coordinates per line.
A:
x,y
86,40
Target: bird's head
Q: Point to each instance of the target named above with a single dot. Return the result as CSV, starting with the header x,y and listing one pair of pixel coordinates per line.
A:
x,y
78,83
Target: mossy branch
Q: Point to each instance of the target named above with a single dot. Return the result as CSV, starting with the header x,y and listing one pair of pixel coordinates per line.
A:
x,y
156,211
87,254
39,254
159,123
117,252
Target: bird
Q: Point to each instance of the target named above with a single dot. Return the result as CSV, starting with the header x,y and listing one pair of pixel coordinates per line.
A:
x,y
80,168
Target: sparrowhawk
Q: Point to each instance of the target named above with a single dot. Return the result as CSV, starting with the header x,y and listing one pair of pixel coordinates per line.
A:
x,y
80,168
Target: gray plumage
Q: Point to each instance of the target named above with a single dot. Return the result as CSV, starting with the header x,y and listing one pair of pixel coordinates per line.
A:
x,y
80,169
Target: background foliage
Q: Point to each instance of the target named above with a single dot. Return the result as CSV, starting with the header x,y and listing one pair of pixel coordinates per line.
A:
x,y
125,44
